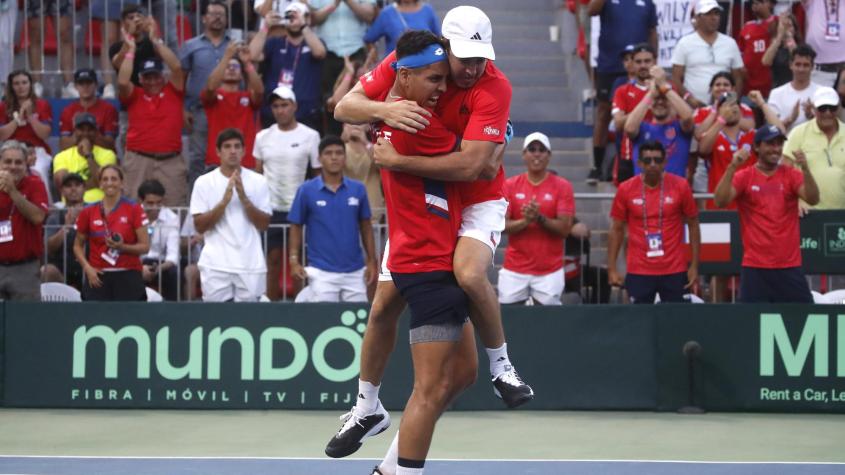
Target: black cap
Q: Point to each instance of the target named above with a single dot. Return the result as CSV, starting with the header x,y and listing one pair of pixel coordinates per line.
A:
x,y
73,177
85,74
151,66
84,118
766,133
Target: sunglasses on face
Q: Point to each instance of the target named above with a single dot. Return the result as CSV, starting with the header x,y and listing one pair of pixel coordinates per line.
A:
x,y
648,160
536,148
827,109
234,66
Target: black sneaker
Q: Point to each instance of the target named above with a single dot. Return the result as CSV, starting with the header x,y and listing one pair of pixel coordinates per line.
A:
x,y
355,429
376,471
594,177
511,389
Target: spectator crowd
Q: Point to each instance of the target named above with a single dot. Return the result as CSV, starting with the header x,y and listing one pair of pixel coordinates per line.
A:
x,y
283,200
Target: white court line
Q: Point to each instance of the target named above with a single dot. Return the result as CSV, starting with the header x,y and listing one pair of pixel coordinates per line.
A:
x,y
127,457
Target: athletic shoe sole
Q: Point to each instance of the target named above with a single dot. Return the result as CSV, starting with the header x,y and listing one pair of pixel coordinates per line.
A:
x,y
516,402
340,452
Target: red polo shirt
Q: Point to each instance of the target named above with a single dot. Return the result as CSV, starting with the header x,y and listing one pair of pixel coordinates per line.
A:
x,y
26,133
534,250
678,204
126,217
28,239
478,113
155,122
768,217
105,113
229,109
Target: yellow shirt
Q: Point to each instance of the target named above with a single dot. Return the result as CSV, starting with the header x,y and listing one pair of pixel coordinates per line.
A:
x,y
826,161
70,160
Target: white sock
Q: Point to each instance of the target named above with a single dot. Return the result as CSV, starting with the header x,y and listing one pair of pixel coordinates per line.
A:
x,y
391,459
499,361
408,471
367,401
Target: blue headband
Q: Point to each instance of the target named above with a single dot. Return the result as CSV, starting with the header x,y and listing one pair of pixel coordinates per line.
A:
x,y
433,53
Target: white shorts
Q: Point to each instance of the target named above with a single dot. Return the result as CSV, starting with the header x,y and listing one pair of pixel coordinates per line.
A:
x,y
325,286
484,222
544,289
221,286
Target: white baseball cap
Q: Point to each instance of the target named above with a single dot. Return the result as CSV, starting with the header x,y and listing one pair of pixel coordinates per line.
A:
x,y
301,8
825,96
469,32
705,6
537,137
284,92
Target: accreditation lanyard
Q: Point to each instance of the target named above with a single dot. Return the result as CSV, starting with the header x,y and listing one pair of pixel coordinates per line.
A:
x,y
654,241
111,253
831,16
287,76
6,226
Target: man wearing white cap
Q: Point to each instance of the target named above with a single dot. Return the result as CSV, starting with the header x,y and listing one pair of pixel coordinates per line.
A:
x,y
293,60
283,153
700,55
540,213
822,140
475,106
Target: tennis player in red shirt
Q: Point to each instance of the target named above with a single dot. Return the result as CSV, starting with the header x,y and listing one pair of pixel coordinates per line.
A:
x,y
653,206
475,106
767,198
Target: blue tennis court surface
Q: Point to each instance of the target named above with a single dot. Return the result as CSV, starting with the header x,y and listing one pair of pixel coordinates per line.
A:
x,y
11,465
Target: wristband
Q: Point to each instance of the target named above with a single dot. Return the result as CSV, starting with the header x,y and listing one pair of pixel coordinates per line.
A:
x,y
648,100
293,257
250,68
265,28
687,95
129,56
347,77
721,120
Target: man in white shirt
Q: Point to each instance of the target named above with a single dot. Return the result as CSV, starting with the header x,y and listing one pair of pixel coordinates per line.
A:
x,y
160,263
703,53
230,206
282,154
793,102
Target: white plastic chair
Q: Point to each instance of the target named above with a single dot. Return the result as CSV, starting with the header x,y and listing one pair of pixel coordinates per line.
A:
x,y
835,297
59,292
153,296
818,297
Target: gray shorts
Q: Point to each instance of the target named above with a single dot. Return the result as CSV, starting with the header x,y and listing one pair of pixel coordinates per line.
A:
x,y
436,332
21,281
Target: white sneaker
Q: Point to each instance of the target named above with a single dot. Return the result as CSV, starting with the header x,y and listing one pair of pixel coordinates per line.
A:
x,y
108,92
38,89
70,92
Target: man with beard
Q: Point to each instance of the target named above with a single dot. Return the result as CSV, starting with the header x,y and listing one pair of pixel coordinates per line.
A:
x,y
294,61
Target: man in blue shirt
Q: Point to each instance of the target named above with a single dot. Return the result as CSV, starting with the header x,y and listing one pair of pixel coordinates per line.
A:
x,y
336,211
293,60
623,22
672,123
199,56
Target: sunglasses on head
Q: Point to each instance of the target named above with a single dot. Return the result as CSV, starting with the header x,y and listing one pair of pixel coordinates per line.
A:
x,y
648,160
536,148
828,109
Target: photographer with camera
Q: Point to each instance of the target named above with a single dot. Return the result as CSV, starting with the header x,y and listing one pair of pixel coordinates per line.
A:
x,y
115,233
293,60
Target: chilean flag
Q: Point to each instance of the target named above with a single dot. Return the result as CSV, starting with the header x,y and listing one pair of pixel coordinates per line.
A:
x,y
715,242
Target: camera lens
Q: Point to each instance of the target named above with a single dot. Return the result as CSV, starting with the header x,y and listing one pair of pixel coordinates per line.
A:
x,y
116,237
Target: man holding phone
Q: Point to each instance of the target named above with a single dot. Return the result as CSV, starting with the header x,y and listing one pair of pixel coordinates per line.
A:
x,y
293,60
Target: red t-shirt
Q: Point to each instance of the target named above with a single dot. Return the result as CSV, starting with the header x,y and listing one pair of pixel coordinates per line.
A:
x,y
626,99
478,113
678,204
768,217
26,133
27,238
722,155
229,109
124,219
702,113
753,40
534,250
105,113
155,123
424,215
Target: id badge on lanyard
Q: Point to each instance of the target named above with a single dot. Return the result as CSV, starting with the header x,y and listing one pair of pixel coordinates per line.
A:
x,y
286,76
111,255
654,241
833,28
6,228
